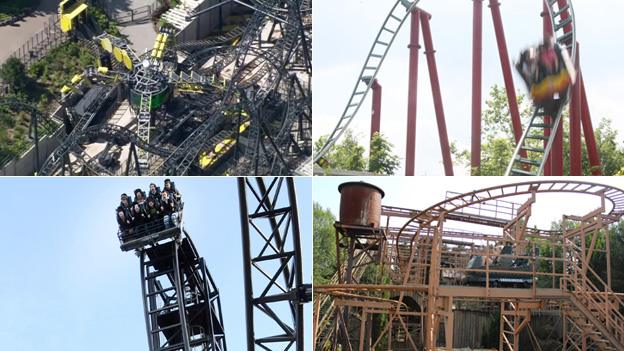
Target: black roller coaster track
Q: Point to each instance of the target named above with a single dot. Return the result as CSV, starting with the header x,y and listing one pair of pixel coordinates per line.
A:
x,y
269,66
272,248
281,53
112,133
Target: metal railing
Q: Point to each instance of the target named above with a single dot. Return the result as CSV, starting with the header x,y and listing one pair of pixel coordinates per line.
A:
x,y
154,230
42,42
138,14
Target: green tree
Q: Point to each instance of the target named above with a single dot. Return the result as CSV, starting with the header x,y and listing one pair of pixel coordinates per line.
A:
x,y
348,154
498,142
382,160
13,72
324,244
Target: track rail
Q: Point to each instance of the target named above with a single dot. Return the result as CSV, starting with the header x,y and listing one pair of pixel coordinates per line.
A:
x,y
376,56
564,28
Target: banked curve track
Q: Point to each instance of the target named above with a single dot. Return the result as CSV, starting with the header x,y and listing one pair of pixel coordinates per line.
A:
x,y
563,24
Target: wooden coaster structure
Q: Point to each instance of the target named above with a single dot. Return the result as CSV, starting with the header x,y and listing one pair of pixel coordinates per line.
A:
x,y
426,262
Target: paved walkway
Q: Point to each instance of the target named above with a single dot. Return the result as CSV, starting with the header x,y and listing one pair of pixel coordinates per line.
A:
x,y
142,35
12,37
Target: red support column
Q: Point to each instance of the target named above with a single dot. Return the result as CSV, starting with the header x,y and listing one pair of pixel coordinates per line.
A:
x,y
437,95
477,48
376,113
588,131
512,100
410,150
576,154
548,32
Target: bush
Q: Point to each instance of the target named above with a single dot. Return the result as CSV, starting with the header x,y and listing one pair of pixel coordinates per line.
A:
x,y
13,72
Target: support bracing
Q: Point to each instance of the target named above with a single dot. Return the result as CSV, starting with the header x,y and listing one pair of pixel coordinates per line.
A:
x,y
181,302
525,274
272,263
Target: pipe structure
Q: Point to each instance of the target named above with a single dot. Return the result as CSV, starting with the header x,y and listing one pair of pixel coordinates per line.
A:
x,y
588,132
576,151
503,53
477,63
437,95
376,111
412,96
242,200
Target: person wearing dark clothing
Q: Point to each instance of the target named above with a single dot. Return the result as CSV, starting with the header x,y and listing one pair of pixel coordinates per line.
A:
x,y
139,197
172,192
140,218
154,215
126,206
125,223
154,192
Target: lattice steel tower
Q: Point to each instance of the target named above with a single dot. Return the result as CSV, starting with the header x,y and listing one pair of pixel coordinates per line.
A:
x,y
180,299
272,262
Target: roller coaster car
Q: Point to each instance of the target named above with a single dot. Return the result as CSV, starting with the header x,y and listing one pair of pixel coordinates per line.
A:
x,y
209,159
496,278
547,71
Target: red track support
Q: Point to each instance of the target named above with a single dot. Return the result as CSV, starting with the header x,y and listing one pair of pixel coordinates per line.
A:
x,y
437,95
576,154
548,32
477,52
376,112
512,100
588,131
414,46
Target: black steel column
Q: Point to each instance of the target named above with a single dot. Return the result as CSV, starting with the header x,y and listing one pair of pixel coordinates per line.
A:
x,y
242,199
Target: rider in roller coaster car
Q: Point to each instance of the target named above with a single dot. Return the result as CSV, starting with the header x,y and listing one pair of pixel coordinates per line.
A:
x,y
154,214
172,192
169,210
154,192
547,72
126,224
148,213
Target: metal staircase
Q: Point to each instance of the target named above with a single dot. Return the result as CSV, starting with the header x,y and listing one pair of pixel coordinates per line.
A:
x,y
143,129
534,141
594,310
593,314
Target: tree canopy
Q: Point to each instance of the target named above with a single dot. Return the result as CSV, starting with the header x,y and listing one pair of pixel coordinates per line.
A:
x,y
498,140
348,154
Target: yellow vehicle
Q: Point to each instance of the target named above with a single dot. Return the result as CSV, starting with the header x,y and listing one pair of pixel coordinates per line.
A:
x,y
209,159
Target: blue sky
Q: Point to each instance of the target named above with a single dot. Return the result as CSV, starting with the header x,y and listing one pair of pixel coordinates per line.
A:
x,y
344,31
420,193
67,286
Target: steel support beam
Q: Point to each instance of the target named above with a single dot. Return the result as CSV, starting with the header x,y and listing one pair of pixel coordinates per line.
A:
x,y
512,100
477,53
437,94
588,131
376,111
576,151
412,96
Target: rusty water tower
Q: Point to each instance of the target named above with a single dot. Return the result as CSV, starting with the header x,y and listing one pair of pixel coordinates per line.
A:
x,y
360,204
